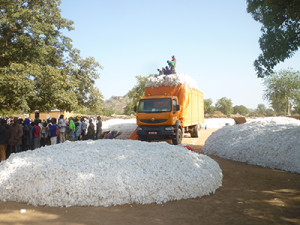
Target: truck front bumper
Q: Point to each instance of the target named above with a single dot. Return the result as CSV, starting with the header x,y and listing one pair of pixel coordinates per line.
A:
x,y
156,132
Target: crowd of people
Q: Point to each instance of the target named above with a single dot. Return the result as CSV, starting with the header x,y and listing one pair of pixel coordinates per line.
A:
x,y
18,135
170,68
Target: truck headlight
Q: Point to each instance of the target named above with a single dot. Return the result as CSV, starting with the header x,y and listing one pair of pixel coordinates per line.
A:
x,y
139,128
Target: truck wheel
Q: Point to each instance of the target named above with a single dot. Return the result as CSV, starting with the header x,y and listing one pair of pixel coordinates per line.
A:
x,y
195,132
176,140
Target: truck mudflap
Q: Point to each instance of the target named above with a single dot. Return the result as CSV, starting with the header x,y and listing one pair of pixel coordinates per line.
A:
x,y
155,132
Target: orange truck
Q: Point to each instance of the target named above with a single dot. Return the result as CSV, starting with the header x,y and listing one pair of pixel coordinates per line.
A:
x,y
167,112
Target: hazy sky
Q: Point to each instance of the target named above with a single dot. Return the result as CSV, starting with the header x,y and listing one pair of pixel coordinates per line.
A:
x,y
215,43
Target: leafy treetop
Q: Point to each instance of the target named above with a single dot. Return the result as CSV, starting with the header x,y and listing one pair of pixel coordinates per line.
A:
x,y
39,68
280,31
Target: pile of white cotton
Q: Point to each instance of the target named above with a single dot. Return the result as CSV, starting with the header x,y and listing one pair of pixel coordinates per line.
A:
x,y
217,122
171,80
125,126
268,142
107,172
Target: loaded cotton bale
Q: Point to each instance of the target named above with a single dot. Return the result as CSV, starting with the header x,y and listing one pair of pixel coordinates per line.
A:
x,y
239,120
171,80
106,173
269,142
297,116
218,114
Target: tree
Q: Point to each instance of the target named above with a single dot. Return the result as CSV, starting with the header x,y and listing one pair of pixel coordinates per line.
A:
x,y
283,86
270,112
135,93
297,107
224,105
208,108
261,109
82,74
280,31
108,112
279,106
39,68
240,109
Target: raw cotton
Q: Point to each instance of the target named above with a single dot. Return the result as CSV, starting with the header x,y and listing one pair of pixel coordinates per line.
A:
x,y
268,142
275,120
128,126
171,80
217,122
107,172
125,126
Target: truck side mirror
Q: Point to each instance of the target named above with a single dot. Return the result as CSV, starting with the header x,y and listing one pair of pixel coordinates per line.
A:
x,y
134,108
177,107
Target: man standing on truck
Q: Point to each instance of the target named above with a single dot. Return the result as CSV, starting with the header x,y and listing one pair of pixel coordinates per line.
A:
x,y
172,66
174,60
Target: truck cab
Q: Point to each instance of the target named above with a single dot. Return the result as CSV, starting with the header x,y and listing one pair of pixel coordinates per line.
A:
x,y
158,119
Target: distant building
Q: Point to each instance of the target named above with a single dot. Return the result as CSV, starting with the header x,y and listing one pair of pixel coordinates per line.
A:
x,y
49,114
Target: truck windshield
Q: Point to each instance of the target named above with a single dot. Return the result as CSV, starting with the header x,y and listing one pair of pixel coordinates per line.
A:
x,y
155,105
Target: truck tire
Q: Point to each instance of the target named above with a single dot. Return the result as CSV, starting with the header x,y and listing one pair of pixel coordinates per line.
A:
x,y
176,140
195,132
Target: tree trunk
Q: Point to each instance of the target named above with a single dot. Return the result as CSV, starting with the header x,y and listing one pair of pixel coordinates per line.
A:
x,y
288,107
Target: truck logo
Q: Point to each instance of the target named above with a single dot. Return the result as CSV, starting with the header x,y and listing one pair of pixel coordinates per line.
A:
x,y
153,119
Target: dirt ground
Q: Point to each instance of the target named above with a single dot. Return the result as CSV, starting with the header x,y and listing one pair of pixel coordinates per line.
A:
x,y
249,195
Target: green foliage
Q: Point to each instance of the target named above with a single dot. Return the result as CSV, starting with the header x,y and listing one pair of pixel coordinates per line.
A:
x,y
39,69
261,109
108,112
224,105
283,87
208,107
279,106
29,32
135,93
240,109
280,31
297,107
270,112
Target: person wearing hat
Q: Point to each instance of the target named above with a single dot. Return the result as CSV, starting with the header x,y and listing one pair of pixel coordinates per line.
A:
x,y
15,136
174,59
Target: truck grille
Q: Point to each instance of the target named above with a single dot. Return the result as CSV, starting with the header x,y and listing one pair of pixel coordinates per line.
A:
x,y
155,121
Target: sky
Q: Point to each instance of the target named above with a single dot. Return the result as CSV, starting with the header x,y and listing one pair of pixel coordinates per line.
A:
x,y
214,42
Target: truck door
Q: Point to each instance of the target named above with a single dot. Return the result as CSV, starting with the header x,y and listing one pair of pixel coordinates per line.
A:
x,y
174,105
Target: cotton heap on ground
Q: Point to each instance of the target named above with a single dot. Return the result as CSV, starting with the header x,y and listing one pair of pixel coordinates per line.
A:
x,y
270,142
125,126
107,172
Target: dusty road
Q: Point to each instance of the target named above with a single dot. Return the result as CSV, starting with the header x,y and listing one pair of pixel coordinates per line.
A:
x,y
249,195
